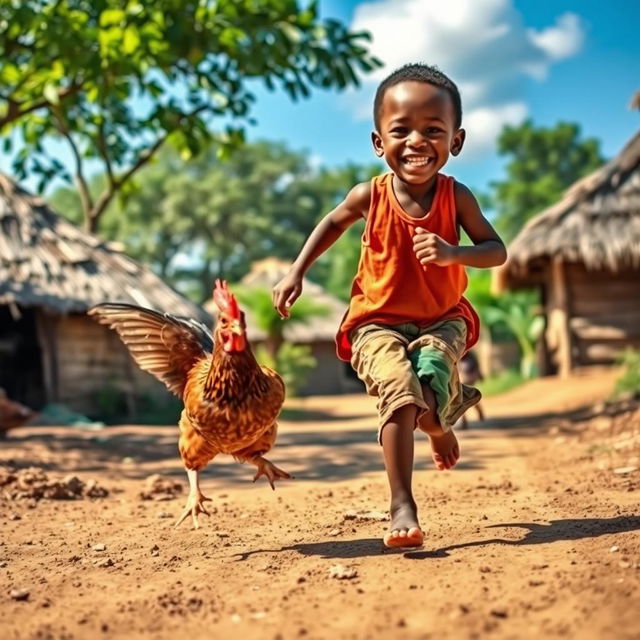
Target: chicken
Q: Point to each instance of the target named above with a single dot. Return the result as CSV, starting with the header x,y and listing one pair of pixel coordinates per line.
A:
x,y
12,414
230,402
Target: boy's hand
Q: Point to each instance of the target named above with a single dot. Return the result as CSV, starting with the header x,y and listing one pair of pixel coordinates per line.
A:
x,y
285,293
432,249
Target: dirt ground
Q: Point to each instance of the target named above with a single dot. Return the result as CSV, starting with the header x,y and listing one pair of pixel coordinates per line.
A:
x,y
533,535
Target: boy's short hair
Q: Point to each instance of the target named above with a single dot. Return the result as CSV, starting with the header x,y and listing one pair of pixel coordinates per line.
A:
x,y
418,73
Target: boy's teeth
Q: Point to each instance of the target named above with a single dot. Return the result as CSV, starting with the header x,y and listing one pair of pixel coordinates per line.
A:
x,y
417,161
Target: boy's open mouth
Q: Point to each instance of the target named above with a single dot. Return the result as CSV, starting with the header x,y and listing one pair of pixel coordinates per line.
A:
x,y
417,161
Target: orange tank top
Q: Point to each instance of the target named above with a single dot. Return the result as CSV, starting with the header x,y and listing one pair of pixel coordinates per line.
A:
x,y
391,286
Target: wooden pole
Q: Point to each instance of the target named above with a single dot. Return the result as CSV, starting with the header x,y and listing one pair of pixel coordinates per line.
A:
x,y
563,313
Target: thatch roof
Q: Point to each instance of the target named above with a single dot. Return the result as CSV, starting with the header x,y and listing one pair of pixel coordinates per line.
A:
x,y
46,261
265,274
596,223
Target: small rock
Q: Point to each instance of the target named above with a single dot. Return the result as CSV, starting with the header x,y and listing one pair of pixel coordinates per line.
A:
x,y
499,613
20,594
340,572
164,514
614,548
625,470
235,618
107,562
351,514
3,564
222,534
99,547
15,516
334,532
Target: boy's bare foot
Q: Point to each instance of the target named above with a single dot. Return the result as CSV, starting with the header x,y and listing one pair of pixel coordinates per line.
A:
x,y
404,530
444,445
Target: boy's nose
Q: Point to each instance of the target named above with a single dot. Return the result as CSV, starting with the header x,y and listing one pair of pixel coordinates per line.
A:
x,y
416,139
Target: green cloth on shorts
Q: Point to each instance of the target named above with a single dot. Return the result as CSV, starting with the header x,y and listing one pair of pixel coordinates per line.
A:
x,y
433,370
394,360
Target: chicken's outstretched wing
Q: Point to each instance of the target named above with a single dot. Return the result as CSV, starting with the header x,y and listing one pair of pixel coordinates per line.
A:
x,y
164,345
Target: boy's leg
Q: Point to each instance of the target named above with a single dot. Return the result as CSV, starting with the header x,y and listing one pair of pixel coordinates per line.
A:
x,y
380,360
434,356
444,444
397,446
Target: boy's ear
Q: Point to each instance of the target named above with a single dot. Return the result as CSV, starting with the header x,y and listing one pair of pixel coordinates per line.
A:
x,y
458,141
376,140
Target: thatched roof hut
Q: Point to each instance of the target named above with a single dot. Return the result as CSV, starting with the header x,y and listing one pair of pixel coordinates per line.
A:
x,y
584,254
51,272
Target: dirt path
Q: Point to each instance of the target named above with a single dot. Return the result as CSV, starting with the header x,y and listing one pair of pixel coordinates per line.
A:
x,y
527,538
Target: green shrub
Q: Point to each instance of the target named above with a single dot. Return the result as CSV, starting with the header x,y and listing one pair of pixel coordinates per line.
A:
x,y
293,362
501,383
629,381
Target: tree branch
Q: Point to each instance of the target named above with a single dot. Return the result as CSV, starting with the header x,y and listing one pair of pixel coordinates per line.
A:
x,y
83,187
15,109
145,155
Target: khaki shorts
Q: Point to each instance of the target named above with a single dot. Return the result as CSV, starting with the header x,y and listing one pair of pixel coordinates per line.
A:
x,y
394,362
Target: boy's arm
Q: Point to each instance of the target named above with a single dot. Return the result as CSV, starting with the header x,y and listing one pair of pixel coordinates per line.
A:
x,y
326,232
488,249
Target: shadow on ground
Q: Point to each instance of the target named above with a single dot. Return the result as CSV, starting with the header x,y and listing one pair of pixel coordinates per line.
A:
x,y
310,454
538,533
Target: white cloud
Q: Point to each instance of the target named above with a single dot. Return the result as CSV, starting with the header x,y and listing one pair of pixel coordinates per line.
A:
x,y
561,41
483,45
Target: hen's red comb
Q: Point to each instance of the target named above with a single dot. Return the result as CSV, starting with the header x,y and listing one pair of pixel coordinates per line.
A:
x,y
225,300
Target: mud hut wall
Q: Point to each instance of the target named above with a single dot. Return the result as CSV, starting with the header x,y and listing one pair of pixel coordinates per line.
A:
x,y
92,361
329,375
605,313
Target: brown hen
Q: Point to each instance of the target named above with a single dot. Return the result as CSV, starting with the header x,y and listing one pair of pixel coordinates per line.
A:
x,y
230,402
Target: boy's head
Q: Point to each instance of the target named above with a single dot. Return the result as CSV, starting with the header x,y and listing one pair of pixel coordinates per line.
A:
x,y
417,115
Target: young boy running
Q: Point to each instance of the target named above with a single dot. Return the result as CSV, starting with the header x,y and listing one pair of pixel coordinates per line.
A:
x,y
408,324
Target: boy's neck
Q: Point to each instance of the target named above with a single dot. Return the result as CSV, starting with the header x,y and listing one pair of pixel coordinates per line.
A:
x,y
422,193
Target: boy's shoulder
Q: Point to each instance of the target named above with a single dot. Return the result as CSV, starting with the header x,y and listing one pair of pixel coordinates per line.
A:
x,y
359,198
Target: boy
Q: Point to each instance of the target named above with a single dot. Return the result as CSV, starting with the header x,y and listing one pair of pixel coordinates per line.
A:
x,y
407,323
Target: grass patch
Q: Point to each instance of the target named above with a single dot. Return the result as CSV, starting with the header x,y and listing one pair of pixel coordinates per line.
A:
x,y
505,381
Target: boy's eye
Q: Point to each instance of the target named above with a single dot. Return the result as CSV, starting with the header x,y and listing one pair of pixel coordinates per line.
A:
x,y
399,130
433,130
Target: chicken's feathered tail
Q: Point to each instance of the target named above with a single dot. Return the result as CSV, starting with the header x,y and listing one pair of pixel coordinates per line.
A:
x,y
166,346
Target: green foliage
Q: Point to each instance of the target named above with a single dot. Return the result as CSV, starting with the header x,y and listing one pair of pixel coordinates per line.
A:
x,y
511,314
542,163
224,215
259,302
501,383
293,362
116,79
629,382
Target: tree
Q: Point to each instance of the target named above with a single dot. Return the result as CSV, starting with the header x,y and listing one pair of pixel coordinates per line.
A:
x,y
115,80
542,163
202,218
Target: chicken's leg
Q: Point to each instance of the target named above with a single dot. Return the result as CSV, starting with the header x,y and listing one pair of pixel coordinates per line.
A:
x,y
269,470
194,504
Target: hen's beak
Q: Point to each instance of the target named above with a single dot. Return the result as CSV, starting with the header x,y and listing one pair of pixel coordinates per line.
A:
x,y
237,338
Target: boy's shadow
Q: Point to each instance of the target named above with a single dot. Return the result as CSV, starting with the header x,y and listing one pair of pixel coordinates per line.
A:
x,y
555,530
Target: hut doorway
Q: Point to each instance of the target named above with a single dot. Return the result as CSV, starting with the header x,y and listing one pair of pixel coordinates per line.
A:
x,y
20,358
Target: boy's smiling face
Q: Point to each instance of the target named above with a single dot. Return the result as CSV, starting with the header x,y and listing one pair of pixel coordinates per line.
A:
x,y
417,131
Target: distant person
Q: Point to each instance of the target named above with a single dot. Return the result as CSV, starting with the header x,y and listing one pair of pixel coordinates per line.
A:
x,y
470,373
408,323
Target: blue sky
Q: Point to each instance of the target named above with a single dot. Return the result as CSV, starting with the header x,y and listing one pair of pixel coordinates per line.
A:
x,y
548,60
573,60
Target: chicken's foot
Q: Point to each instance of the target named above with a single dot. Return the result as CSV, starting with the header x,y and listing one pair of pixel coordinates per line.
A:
x,y
268,469
194,504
